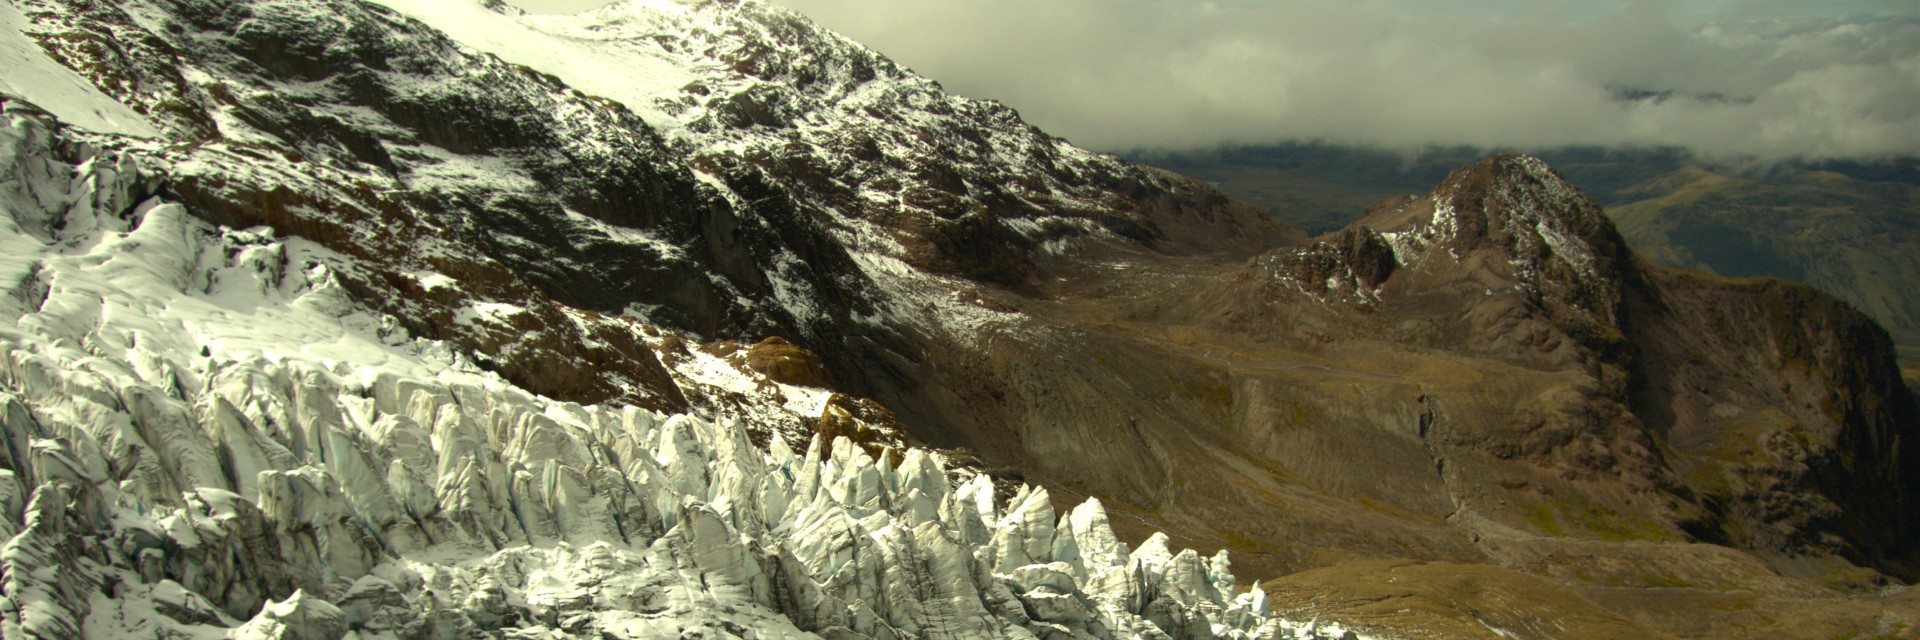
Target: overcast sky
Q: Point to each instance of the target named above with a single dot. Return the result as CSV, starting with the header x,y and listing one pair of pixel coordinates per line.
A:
x,y
1733,78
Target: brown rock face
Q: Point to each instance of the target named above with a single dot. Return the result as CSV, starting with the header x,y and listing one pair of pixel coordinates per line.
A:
x,y
787,363
1482,375
1786,416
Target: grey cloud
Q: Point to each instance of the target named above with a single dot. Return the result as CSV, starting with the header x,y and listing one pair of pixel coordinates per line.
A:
x,y
1174,74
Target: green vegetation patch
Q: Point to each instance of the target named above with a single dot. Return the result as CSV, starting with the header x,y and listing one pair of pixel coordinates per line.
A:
x,y
1560,517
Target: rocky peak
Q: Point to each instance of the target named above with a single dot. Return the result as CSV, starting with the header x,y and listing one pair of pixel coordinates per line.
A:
x,y
1507,223
1546,231
1555,241
1511,225
1517,204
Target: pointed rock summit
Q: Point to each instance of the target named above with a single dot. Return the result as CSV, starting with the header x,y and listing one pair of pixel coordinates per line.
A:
x,y
1528,261
1512,217
1555,240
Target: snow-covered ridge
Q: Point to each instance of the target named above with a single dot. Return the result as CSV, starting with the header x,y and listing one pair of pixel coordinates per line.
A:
x,y
689,112
752,86
205,437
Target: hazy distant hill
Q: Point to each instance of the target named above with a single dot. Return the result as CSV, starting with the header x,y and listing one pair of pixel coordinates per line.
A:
x,y
1852,230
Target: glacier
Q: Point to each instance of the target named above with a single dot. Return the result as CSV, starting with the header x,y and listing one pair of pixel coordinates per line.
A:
x,y
205,436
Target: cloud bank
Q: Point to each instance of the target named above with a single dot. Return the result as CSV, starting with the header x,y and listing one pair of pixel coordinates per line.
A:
x,y
1729,79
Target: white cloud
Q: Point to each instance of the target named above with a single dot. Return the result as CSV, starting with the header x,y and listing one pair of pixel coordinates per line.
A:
x,y
557,6
1122,74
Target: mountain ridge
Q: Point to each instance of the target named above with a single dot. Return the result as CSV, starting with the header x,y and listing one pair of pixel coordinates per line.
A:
x,y
1837,225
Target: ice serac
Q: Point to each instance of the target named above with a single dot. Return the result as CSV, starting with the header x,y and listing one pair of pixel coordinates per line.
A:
x,y
299,617
202,438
